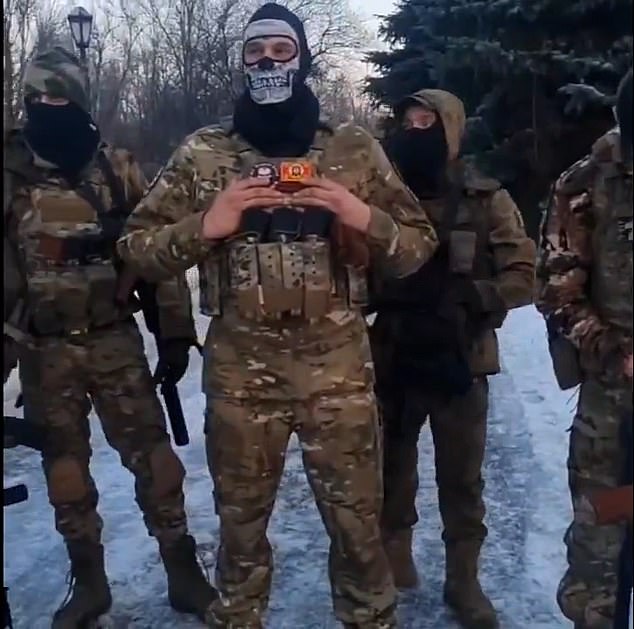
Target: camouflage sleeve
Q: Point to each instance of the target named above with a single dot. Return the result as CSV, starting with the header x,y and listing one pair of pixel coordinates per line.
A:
x,y
564,268
173,296
163,235
400,231
513,252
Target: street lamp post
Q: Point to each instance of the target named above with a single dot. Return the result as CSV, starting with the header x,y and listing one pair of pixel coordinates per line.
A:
x,y
80,22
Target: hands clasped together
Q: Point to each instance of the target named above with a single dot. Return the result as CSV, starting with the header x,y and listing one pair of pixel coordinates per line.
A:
x,y
224,216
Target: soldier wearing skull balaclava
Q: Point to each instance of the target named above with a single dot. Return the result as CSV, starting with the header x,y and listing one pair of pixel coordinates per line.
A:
x,y
585,295
287,220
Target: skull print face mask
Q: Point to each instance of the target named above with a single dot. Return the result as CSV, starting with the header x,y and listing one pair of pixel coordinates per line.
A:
x,y
271,57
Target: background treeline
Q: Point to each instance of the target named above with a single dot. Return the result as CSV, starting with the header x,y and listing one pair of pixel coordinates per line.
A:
x,y
506,59
162,68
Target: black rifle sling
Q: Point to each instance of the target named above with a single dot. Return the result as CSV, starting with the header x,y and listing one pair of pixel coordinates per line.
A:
x,y
452,204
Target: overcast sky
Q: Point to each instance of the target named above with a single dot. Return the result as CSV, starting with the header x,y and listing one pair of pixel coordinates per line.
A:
x,y
369,8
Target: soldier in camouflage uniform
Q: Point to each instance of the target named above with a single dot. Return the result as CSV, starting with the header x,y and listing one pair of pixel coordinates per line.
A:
x,y
287,351
68,198
585,294
434,343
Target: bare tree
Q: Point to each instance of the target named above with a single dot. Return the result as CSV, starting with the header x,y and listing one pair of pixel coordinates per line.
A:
x,y
162,68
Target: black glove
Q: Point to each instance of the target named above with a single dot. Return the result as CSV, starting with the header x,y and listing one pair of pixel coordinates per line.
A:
x,y
173,359
482,300
112,224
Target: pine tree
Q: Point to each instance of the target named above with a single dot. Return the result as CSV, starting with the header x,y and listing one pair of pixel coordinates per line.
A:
x,y
506,59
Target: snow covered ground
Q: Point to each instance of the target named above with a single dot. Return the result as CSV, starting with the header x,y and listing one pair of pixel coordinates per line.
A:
x,y
526,493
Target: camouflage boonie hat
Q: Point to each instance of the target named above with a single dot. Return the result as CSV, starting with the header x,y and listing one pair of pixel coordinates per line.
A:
x,y
59,74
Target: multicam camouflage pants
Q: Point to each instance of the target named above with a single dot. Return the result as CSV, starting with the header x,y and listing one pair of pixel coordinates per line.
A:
x,y
60,379
248,430
587,592
458,427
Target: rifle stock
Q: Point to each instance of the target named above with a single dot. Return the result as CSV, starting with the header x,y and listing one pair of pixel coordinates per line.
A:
x,y
169,391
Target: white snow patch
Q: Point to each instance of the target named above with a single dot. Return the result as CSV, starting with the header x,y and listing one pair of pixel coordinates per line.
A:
x,y
527,499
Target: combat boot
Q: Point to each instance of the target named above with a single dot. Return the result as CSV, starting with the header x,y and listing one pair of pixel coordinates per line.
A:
x,y
188,590
462,591
90,597
398,548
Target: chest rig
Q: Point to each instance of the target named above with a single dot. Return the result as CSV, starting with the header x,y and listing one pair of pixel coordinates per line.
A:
x,y
69,258
281,263
461,221
611,283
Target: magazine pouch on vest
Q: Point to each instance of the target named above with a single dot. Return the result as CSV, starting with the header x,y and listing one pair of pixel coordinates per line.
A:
x,y
280,261
317,262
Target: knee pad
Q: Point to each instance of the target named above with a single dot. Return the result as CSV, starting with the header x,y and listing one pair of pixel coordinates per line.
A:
x,y
167,470
67,481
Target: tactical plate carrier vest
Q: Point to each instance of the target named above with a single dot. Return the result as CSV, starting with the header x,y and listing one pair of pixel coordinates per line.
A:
x,y
68,261
461,220
282,263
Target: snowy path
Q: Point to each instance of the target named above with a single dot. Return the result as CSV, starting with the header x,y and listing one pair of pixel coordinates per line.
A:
x,y
527,498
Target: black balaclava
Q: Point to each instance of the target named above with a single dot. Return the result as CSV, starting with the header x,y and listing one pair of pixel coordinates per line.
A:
x,y
420,155
623,111
287,126
64,135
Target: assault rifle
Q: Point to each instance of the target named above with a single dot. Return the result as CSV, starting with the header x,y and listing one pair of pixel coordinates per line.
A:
x,y
18,432
129,283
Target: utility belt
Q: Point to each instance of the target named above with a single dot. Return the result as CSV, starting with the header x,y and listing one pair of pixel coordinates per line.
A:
x,y
282,265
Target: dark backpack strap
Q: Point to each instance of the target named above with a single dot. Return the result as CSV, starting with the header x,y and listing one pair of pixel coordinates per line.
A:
x,y
452,202
110,219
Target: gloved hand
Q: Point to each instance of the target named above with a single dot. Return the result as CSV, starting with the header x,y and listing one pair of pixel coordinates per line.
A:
x,y
173,359
112,224
482,298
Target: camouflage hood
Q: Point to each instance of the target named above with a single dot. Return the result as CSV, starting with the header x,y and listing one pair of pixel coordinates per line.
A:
x,y
451,111
59,74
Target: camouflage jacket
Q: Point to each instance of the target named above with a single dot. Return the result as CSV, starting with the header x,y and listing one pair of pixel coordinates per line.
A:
x,y
164,233
32,178
585,265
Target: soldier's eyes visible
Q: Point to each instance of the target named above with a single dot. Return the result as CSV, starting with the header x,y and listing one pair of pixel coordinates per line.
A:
x,y
254,50
283,49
